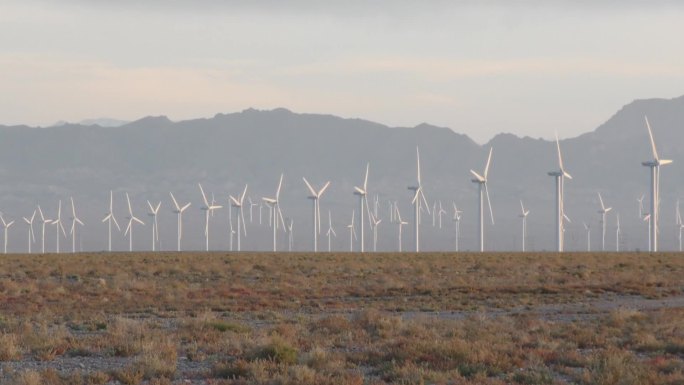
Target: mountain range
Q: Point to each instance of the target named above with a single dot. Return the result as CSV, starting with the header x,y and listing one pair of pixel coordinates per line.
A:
x,y
154,155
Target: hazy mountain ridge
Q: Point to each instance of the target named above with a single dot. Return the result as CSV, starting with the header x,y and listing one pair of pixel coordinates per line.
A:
x,y
153,155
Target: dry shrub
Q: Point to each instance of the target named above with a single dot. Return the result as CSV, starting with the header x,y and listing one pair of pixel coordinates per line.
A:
x,y
125,336
9,347
278,350
617,367
158,358
128,375
28,377
45,343
97,378
231,370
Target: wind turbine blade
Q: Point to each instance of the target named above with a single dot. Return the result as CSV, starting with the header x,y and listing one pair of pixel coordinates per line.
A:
x,y
242,197
359,190
489,203
280,184
128,228
138,220
175,202
522,207
235,201
365,180
150,206
418,165
489,161
244,227
325,187
308,185
40,211
60,226
650,136
422,196
601,200
204,196
280,215
79,221
130,209
106,218
156,210
73,207
185,207
115,222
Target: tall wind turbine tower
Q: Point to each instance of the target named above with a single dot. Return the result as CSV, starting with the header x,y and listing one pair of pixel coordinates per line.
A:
x,y
418,201
523,214
6,226
362,192
680,225
178,210
109,218
457,223
74,221
560,176
208,211
617,234
277,215
481,181
331,231
352,232
654,165
154,211
131,218
239,204
315,197
588,230
32,236
603,211
58,224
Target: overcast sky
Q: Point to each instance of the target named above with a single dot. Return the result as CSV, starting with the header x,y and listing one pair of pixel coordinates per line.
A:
x,y
526,67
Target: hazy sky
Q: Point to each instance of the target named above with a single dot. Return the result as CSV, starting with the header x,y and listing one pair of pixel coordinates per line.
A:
x,y
527,67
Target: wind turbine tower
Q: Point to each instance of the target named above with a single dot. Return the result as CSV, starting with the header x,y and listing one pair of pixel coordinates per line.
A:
x,y
654,165
481,181
560,176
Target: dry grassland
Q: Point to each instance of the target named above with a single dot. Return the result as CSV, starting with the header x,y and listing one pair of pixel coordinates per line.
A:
x,y
262,318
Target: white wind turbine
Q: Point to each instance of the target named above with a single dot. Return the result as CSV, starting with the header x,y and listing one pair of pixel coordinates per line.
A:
x,y
588,230
560,176
316,197
129,228
375,222
440,212
418,200
457,222
401,224
290,236
481,181
330,232
654,165
251,207
434,214
603,211
179,213
523,214
110,218
31,235
74,221
58,224
154,211
231,231
363,206
6,225
352,232
208,210
646,218
43,221
617,234
276,213
241,225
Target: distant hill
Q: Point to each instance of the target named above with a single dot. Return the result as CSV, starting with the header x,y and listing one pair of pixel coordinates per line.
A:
x,y
154,155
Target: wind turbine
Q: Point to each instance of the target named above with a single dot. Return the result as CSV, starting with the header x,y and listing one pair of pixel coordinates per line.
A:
x,y
617,234
481,181
109,218
290,237
129,229
588,230
58,224
208,210
375,222
603,211
251,206
74,221
363,205
440,213
331,231
277,215
457,222
7,225
241,225
43,221
352,233
523,214
654,165
154,210
179,213
401,224
418,201
315,197
31,235
231,231
560,176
